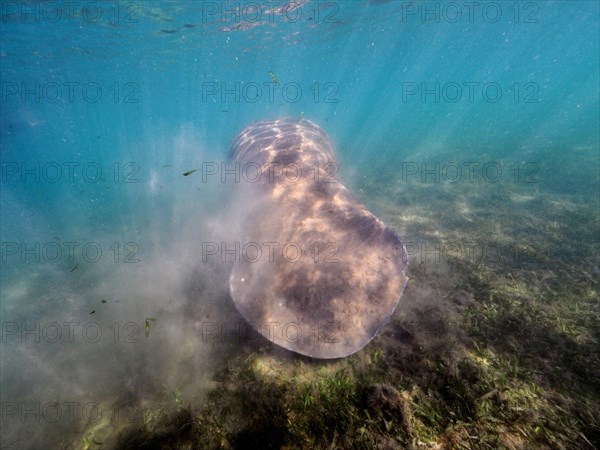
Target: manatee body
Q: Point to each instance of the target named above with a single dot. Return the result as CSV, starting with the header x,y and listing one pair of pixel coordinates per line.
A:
x,y
320,275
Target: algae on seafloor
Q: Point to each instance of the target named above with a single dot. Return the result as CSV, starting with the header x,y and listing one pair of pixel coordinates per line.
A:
x,y
498,350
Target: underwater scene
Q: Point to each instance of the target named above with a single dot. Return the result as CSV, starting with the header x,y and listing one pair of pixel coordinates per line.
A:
x,y
299,224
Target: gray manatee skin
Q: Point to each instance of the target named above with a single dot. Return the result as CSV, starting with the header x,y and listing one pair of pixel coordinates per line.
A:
x,y
328,274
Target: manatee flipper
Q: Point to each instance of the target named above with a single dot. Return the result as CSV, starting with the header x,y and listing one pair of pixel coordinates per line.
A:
x,y
320,275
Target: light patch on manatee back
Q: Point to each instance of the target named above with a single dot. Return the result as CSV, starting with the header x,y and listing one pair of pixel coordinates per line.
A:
x,y
350,275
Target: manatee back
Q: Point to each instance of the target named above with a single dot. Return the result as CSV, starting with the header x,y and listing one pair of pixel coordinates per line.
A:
x,y
330,273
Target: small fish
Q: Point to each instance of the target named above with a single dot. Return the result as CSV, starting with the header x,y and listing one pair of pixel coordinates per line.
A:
x,y
57,238
274,78
148,320
93,311
225,110
169,31
189,172
74,268
104,301
167,165
188,25
300,116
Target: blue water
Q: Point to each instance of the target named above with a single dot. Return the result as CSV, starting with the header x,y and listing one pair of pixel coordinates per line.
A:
x,y
159,88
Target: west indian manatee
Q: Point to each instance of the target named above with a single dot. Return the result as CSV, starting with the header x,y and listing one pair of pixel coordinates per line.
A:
x,y
320,274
